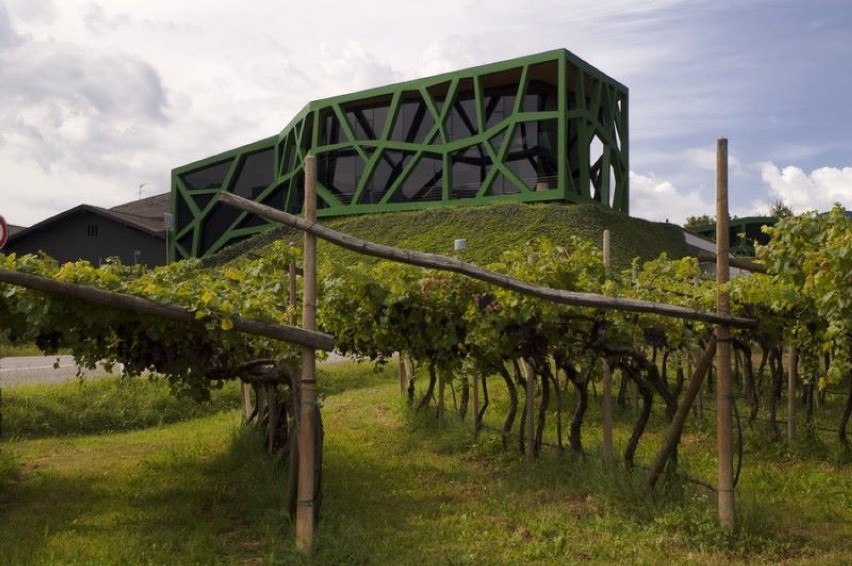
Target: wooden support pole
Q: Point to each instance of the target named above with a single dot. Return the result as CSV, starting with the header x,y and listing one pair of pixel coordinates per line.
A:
x,y
291,292
272,412
724,391
474,382
246,404
112,299
402,374
607,381
529,431
435,261
441,401
307,384
792,377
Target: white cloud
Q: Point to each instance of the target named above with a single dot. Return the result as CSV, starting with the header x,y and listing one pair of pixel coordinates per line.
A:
x,y
705,158
99,94
107,105
8,36
353,68
802,191
658,199
32,10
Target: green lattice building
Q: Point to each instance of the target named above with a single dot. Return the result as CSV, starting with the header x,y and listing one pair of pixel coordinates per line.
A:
x,y
548,127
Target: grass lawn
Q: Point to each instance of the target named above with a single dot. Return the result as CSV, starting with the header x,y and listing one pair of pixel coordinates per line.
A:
x,y
397,491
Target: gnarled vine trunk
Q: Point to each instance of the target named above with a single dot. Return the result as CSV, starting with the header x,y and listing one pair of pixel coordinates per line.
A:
x,y
430,390
485,401
646,394
777,369
542,411
513,407
581,386
844,419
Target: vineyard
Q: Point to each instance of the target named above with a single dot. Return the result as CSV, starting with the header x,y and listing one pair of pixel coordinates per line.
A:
x,y
465,342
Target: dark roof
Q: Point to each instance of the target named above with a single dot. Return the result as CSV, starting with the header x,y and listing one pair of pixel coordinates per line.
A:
x,y
144,214
13,229
147,212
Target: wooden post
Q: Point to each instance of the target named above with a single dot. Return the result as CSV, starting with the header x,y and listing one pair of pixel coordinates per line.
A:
x,y
529,432
307,384
272,412
440,398
403,377
607,381
291,295
245,400
474,382
792,377
724,392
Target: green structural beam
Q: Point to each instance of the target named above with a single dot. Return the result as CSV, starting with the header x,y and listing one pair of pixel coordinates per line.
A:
x,y
547,127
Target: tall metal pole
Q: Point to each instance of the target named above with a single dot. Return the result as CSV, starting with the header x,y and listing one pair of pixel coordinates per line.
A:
x,y
307,384
607,381
725,400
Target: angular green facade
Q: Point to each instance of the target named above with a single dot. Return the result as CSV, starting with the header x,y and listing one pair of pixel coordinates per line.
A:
x,y
547,127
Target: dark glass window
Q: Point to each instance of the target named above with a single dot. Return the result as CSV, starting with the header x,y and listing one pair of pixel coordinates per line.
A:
x,y
498,107
340,171
210,177
186,242
296,194
438,94
201,201
92,230
502,186
307,138
531,155
288,154
413,120
330,133
385,173
469,169
216,224
255,174
367,123
424,183
540,97
461,121
184,214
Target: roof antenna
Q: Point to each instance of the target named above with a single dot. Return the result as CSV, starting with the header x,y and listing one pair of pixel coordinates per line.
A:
x,y
140,190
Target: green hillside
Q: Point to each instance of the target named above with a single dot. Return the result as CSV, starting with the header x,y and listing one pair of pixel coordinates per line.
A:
x,y
491,229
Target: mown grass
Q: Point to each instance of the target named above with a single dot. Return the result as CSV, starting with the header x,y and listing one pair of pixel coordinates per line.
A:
x,y
401,490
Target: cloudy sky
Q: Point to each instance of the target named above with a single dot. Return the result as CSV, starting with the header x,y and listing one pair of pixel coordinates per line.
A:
x,y
98,98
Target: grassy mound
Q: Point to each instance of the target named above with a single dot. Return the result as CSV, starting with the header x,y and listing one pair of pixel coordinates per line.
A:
x,y
489,231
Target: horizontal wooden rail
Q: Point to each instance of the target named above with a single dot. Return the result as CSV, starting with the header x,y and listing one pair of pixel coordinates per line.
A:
x,y
436,261
737,262
291,334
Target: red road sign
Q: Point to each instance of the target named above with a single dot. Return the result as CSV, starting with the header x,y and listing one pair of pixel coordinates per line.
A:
x,y
4,232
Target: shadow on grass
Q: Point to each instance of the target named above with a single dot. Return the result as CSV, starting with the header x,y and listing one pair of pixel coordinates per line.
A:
x,y
180,502
103,406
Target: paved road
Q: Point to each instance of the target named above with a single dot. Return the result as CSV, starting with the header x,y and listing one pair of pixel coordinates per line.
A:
x,y
39,369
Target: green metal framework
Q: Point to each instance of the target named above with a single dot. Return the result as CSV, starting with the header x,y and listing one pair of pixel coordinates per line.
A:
x,y
547,127
743,233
